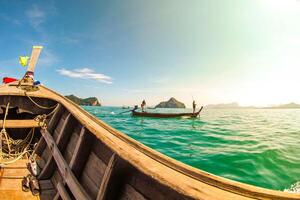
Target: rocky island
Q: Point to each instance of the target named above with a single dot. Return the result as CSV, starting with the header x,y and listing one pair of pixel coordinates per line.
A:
x,y
91,101
233,105
172,103
285,106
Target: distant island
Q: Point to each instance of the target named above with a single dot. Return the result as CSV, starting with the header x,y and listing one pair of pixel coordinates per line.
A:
x,y
237,106
284,106
171,103
225,106
91,101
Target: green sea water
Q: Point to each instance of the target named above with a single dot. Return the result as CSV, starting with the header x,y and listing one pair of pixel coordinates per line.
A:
x,y
256,146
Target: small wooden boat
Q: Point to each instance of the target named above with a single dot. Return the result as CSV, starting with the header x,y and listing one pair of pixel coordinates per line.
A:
x,y
78,156
165,115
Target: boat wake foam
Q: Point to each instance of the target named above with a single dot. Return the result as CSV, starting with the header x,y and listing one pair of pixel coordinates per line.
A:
x,y
295,188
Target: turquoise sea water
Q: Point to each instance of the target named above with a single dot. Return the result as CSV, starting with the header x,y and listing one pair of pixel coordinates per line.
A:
x,y
255,146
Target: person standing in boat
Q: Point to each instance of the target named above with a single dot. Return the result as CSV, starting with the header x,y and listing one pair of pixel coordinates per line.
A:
x,y
194,106
143,105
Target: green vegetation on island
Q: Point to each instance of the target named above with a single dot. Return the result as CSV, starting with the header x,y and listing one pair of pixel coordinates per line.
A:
x,y
91,101
171,103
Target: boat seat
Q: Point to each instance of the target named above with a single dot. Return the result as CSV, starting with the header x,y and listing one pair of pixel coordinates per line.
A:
x,y
24,123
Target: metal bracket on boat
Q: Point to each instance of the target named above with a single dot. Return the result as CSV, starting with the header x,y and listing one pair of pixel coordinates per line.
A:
x,y
41,119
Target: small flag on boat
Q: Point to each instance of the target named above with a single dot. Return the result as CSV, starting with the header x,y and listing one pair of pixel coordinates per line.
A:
x,y
8,80
23,60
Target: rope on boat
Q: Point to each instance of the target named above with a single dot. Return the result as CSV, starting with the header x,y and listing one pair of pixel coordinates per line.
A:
x,y
12,150
43,107
41,119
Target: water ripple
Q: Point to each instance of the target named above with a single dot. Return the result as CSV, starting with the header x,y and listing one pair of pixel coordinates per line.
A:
x,y
254,146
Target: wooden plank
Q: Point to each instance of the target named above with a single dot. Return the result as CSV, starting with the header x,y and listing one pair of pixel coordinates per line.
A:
x,y
40,147
64,169
24,123
63,121
36,50
46,154
50,126
81,151
18,194
46,185
62,192
55,118
50,164
106,177
150,188
129,192
46,195
70,148
56,178
102,151
89,185
57,196
47,170
12,172
12,175
95,166
10,186
40,161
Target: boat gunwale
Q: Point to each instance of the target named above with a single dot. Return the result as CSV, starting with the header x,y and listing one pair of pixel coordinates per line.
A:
x,y
222,183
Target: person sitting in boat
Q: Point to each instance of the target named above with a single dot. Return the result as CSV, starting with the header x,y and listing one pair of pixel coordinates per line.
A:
x,y
194,106
135,108
143,105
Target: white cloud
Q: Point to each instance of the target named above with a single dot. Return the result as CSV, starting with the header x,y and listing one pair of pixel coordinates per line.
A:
x,y
36,16
85,73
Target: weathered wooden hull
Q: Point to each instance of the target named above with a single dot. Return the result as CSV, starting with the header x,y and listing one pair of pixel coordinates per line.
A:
x,y
165,115
81,157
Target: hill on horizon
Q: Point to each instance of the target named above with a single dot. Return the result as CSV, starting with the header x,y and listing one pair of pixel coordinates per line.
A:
x,y
291,105
235,105
171,103
90,101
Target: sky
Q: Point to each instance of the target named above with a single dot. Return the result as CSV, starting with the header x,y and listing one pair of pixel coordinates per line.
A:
x,y
125,51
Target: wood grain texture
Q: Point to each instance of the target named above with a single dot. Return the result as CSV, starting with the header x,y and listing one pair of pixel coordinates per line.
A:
x,y
34,58
10,181
185,180
81,152
64,169
62,192
106,177
24,123
129,192
49,167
